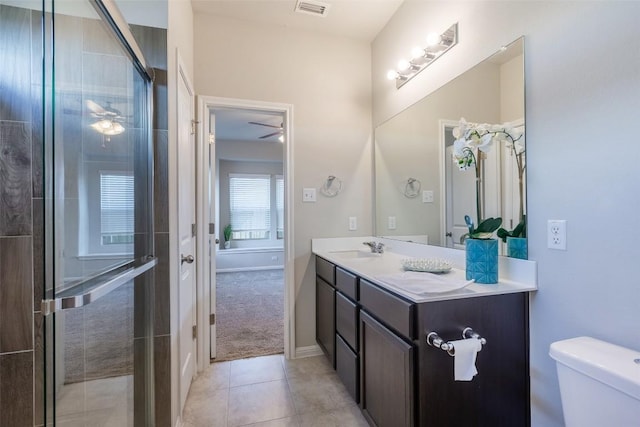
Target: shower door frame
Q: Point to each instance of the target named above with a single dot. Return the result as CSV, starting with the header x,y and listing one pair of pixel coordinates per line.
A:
x,y
110,280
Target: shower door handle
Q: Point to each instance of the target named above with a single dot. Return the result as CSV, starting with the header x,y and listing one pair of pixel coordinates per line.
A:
x,y
188,259
98,291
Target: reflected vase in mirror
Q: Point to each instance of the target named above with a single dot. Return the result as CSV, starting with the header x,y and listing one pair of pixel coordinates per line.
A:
x,y
482,260
517,247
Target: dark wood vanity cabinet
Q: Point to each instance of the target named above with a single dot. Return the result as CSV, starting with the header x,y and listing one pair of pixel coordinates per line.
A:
x,y
380,352
326,308
499,394
387,375
347,345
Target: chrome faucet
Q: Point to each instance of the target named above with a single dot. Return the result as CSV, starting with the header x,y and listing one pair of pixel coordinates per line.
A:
x,y
376,247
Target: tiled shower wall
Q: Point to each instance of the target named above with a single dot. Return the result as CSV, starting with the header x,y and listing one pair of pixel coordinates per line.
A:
x,y
22,222
20,206
153,42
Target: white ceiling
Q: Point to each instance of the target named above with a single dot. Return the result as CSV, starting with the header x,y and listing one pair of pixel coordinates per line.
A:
x,y
233,125
359,19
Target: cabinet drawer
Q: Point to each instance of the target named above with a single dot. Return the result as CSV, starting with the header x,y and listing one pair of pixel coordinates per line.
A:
x,y
326,270
347,320
395,312
348,368
347,283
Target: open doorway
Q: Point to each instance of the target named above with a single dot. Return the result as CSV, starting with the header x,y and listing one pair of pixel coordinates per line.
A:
x,y
250,274
250,211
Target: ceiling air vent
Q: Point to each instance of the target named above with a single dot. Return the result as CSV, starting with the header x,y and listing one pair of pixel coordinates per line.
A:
x,y
312,7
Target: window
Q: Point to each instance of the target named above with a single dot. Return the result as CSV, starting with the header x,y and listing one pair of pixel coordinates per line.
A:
x,y
116,208
280,207
250,203
256,207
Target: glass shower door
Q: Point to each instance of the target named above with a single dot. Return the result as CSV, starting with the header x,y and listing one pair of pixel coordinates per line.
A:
x,y
98,219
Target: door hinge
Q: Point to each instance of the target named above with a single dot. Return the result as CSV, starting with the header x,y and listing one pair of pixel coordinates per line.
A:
x,y
194,124
212,319
193,230
212,228
194,331
212,138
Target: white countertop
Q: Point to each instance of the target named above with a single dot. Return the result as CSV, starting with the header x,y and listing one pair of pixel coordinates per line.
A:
x,y
514,275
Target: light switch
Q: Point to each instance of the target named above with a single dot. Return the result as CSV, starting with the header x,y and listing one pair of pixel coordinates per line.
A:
x,y
392,223
308,194
427,196
353,223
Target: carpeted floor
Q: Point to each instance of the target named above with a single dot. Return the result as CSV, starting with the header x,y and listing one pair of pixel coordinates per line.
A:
x,y
98,338
249,314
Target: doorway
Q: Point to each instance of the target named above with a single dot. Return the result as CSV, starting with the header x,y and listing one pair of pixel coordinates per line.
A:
x,y
245,196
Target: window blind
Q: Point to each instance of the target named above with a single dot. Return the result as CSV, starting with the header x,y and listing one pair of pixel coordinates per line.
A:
x,y
280,207
250,204
116,208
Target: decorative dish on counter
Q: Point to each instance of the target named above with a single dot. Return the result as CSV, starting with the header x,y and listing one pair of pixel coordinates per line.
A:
x,y
427,265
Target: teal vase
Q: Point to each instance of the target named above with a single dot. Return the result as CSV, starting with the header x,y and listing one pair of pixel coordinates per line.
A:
x,y
482,260
517,247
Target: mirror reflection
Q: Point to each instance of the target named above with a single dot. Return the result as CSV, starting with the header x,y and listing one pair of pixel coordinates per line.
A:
x,y
423,190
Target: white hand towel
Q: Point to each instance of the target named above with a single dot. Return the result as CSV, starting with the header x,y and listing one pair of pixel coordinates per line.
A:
x,y
464,364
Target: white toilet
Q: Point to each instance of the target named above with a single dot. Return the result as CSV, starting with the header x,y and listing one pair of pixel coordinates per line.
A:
x,y
599,383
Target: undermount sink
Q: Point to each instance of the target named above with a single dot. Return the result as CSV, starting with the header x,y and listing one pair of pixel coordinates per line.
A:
x,y
355,254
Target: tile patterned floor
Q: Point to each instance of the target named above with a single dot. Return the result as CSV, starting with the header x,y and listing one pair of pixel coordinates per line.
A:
x,y
271,391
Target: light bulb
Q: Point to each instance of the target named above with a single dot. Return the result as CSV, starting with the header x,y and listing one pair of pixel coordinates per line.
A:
x,y
403,65
433,39
392,74
417,52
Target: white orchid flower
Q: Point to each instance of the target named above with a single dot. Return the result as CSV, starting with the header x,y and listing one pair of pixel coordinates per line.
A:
x,y
485,143
461,129
458,147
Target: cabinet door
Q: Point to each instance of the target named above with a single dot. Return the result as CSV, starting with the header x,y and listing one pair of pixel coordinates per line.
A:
x,y
387,383
326,319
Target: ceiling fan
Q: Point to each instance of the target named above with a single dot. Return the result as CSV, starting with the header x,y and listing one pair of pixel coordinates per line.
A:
x,y
109,120
280,130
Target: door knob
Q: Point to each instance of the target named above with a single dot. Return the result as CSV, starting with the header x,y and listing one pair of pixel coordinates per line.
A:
x,y
217,241
188,259
449,234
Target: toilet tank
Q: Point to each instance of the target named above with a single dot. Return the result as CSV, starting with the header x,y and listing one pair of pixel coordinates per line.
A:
x,y
599,383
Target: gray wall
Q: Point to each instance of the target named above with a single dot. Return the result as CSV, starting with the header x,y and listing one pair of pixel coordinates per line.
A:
x,y
582,85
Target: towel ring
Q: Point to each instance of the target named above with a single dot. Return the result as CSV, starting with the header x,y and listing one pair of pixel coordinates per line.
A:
x,y
412,188
331,187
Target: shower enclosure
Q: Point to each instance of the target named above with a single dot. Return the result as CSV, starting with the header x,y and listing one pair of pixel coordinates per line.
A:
x,y
87,88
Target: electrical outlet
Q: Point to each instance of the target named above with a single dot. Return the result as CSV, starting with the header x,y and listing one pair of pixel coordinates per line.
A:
x,y
427,196
353,223
557,234
392,223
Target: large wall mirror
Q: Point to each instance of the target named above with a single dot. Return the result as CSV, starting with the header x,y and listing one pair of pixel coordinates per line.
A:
x,y
421,194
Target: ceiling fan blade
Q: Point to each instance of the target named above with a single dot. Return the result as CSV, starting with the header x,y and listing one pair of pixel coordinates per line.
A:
x,y
95,107
271,134
264,124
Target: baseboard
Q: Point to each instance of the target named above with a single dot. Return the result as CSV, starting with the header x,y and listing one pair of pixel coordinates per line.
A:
x,y
308,351
236,270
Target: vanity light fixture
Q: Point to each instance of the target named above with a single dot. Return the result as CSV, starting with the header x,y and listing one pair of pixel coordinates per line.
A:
x,y
421,57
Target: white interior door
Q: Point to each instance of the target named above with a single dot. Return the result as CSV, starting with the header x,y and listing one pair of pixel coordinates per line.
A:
x,y
186,235
213,240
